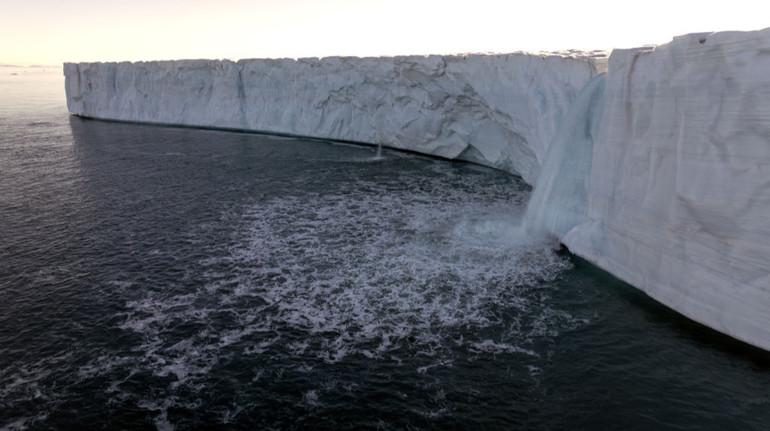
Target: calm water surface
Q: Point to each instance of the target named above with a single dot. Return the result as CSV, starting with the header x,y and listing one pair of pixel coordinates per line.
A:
x,y
163,278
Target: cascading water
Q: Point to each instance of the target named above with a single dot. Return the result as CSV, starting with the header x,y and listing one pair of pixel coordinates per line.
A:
x,y
559,201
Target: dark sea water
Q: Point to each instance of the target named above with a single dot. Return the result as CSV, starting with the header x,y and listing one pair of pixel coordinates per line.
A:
x,y
167,278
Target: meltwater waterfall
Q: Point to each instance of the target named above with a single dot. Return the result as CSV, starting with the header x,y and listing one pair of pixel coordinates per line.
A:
x,y
656,171
559,202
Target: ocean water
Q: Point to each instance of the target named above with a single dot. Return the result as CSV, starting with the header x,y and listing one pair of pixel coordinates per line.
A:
x,y
170,278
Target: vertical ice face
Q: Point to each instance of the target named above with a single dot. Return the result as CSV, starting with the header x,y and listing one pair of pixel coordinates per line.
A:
x,y
191,92
497,110
677,197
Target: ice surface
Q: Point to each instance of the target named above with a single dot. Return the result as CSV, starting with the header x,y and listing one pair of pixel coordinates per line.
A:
x,y
657,171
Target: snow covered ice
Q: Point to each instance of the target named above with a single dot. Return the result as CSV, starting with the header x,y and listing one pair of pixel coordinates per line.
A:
x,y
657,171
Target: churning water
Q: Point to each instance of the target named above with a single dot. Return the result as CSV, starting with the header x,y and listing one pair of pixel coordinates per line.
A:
x,y
164,278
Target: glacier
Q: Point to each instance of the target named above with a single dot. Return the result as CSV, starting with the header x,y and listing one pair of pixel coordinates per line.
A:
x,y
652,163
496,110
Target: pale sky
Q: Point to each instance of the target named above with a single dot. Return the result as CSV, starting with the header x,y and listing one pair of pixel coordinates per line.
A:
x,y
53,31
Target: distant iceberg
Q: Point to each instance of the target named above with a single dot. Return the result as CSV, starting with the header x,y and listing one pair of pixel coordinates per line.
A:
x,y
657,171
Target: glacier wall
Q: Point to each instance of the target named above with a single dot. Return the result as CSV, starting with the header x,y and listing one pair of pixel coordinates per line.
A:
x,y
674,195
657,171
496,110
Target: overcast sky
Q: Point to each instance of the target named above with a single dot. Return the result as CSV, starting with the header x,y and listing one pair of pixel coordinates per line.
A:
x,y
54,31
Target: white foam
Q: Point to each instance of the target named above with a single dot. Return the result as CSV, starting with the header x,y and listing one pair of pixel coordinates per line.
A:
x,y
26,382
310,398
17,425
372,274
489,346
161,420
367,271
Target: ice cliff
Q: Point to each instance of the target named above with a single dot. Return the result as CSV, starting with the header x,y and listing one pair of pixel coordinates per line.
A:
x,y
657,171
668,157
497,110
